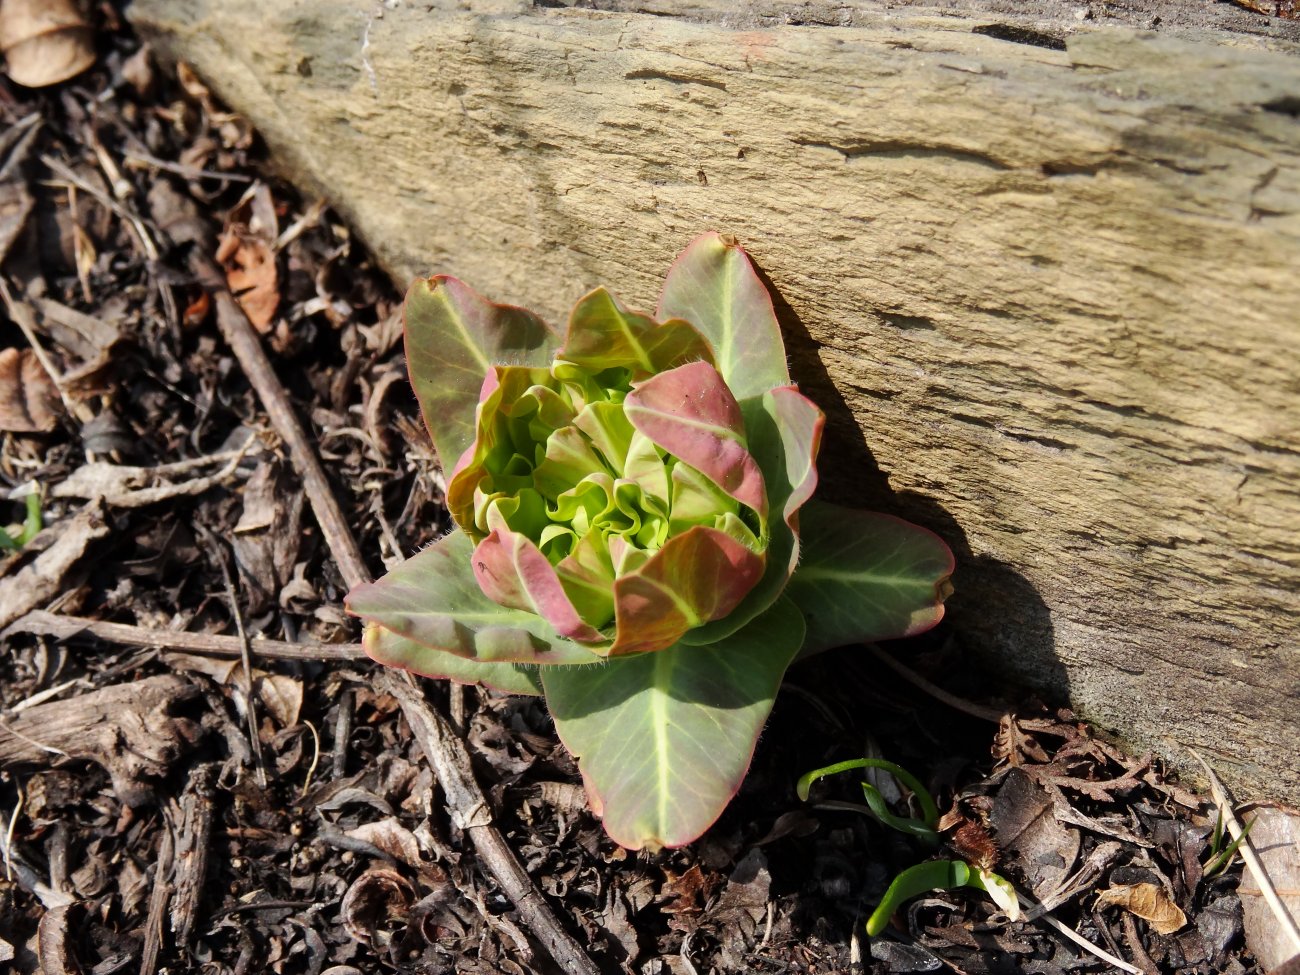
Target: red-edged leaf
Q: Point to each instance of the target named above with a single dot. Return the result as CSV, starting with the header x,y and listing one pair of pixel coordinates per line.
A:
x,y
690,412
388,648
785,431
697,576
512,571
434,600
453,337
664,739
867,576
713,286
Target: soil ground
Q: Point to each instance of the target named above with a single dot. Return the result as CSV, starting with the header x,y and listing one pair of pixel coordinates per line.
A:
x,y
163,818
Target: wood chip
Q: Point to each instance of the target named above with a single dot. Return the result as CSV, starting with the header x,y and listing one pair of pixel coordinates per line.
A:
x,y
127,728
42,579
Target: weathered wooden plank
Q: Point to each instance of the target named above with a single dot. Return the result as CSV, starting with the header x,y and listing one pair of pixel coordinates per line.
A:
x,y
1049,297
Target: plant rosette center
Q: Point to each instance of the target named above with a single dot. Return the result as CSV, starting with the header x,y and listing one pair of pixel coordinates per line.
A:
x,y
636,497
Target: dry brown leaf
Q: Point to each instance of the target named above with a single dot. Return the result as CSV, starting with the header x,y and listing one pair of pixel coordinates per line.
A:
x,y
281,695
29,401
1149,902
1024,822
376,899
45,41
247,252
252,277
393,838
1272,8
1014,744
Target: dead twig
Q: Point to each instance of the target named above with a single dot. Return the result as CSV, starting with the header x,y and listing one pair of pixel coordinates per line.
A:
x,y
935,691
470,811
245,653
243,341
120,486
41,623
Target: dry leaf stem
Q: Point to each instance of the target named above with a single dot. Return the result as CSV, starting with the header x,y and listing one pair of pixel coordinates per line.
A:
x,y
469,809
209,644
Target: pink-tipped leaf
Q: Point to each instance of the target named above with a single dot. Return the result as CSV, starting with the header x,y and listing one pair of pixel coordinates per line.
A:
x,y
512,571
697,576
867,576
434,600
785,430
664,739
690,412
388,648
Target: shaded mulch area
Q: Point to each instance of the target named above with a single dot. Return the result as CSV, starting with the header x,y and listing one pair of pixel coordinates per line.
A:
x,y
183,805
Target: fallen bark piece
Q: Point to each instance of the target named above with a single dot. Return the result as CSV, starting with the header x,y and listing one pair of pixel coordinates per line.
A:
x,y
1275,837
130,729
120,486
193,819
42,579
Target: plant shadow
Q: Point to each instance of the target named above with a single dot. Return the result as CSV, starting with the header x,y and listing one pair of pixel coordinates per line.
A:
x,y
994,610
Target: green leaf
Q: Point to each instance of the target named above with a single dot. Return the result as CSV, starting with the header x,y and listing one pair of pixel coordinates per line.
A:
x,y
434,600
453,337
388,648
866,576
603,334
713,286
664,739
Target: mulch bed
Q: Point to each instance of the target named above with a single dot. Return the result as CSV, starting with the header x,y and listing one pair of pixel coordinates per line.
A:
x,y
162,817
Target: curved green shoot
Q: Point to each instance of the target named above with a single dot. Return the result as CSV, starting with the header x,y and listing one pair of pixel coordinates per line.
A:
x,y
925,828
31,525
914,881
941,875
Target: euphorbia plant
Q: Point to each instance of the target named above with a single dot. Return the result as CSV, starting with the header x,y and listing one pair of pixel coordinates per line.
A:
x,y
634,536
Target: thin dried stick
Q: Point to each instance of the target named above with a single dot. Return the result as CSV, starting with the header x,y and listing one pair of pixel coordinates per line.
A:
x,y
40,622
245,653
1077,938
935,691
470,811
243,341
